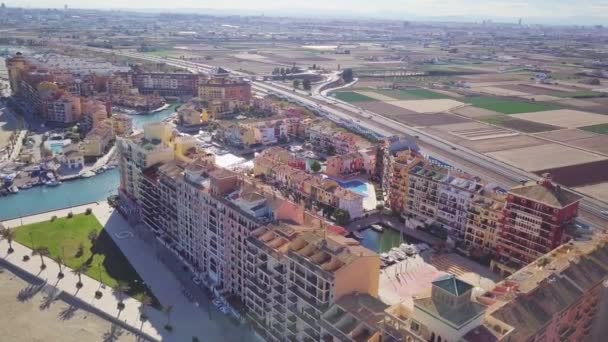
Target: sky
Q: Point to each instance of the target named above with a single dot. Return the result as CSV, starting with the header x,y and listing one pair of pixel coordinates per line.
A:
x,y
405,9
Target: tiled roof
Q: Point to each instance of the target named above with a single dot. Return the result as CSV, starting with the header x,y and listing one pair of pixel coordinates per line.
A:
x,y
548,194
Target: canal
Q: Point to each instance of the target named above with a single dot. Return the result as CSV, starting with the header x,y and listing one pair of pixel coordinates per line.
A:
x,y
79,191
381,242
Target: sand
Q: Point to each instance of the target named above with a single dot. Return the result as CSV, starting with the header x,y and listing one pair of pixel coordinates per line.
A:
x,y
564,118
25,320
545,157
428,106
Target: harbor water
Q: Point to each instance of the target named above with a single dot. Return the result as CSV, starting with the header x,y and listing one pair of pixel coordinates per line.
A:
x,y
75,192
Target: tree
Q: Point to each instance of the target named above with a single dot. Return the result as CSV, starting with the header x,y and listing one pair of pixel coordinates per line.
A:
x,y
341,216
120,289
9,235
347,75
82,268
296,83
315,166
92,236
59,260
42,252
306,84
168,309
145,300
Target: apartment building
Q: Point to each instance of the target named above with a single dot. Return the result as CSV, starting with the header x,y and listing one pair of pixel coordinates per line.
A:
x,y
348,164
298,272
485,215
163,84
396,177
223,94
537,218
280,168
97,141
94,112
122,125
326,137
555,298
15,66
64,109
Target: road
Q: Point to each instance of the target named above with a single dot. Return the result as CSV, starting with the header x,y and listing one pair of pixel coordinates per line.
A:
x,y
458,156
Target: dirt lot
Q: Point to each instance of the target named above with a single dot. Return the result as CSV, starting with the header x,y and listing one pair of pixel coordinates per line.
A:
x,y
428,106
526,88
564,135
384,108
543,157
564,118
431,119
474,112
599,191
503,144
579,175
499,91
28,319
519,125
475,130
598,143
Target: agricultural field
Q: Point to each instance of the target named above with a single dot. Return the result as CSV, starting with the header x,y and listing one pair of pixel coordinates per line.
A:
x,y
411,94
565,118
507,106
518,124
351,97
544,157
601,129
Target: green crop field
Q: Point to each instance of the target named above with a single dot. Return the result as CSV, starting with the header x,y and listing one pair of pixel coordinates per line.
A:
x,y
411,94
507,106
601,129
64,236
350,97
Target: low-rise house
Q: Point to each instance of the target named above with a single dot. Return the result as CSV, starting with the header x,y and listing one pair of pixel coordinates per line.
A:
x,y
97,141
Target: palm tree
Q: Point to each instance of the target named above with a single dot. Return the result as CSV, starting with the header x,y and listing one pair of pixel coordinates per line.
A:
x,y
167,310
145,300
9,235
120,289
82,268
59,260
42,252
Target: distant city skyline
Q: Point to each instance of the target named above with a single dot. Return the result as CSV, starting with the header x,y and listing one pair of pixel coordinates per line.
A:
x,y
536,11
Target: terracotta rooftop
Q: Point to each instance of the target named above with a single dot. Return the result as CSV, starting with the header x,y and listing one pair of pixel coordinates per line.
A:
x,y
546,193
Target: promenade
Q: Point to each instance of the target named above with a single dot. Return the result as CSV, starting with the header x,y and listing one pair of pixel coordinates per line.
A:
x,y
189,319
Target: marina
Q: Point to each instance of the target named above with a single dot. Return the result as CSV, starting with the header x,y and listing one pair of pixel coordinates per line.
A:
x,y
57,194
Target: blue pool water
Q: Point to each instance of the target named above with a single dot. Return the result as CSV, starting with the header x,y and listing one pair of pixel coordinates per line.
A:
x,y
356,186
56,148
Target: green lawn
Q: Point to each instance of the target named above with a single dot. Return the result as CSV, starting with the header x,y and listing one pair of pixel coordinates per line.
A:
x,y
63,237
507,106
349,96
412,94
601,129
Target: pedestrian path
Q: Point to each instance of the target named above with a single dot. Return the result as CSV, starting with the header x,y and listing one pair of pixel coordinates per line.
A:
x,y
108,303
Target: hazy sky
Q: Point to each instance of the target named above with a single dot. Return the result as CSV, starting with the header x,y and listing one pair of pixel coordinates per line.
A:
x,y
426,8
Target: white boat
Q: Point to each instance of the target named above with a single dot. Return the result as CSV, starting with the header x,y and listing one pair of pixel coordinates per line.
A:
x,y
377,228
53,183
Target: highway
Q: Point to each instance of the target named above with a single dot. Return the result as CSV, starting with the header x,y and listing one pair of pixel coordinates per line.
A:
x,y
455,155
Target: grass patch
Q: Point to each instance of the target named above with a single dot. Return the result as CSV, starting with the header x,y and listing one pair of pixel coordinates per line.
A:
x,y
506,106
600,129
412,94
349,96
63,236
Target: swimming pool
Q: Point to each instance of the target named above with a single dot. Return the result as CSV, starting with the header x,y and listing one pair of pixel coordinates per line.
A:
x,y
56,147
356,186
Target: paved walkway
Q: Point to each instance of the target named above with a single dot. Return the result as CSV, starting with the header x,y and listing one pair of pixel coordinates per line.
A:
x,y
108,303
189,319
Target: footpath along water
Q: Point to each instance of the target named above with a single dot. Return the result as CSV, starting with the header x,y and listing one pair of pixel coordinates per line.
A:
x,y
79,191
